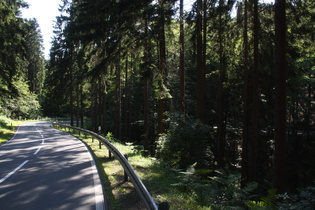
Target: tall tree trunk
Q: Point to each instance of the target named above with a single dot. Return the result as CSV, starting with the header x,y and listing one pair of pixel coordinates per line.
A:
x,y
71,97
221,113
81,106
78,104
182,59
100,102
245,148
94,104
280,97
118,100
204,43
162,69
146,90
200,66
104,108
221,96
255,83
126,107
308,113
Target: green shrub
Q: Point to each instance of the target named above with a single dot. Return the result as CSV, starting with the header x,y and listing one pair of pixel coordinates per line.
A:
x,y
4,121
185,143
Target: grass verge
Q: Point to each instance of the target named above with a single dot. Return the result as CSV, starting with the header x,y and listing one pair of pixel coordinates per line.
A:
x,y
5,133
157,179
8,129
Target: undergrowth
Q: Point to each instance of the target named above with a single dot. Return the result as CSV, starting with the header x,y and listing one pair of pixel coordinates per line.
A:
x,y
192,189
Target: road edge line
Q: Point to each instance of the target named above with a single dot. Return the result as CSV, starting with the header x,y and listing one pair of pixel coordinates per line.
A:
x,y
98,188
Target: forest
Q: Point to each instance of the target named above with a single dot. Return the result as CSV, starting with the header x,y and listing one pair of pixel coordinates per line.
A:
x,y
228,84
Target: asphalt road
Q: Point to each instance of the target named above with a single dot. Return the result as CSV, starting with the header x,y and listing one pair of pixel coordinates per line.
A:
x,y
44,168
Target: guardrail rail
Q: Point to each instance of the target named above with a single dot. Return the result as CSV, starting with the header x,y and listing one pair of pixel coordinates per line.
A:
x,y
135,180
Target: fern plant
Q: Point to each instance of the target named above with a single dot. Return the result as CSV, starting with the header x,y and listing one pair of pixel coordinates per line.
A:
x,y
220,190
267,202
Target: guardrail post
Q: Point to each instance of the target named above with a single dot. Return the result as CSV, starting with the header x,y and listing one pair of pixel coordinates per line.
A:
x,y
109,154
92,139
125,174
99,142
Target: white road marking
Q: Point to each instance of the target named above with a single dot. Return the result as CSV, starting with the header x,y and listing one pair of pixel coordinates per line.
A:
x,y
35,153
26,161
98,190
40,133
17,130
12,172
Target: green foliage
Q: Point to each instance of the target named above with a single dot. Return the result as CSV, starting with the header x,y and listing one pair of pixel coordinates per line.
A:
x,y
219,190
109,136
185,143
267,202
11,44
4,121
305,199
35,58
24,105
21,62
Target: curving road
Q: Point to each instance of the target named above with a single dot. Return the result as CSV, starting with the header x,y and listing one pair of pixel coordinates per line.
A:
x,y
44,168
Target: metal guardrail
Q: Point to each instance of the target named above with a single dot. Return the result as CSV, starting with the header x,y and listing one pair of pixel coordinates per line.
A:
x,y
141,189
